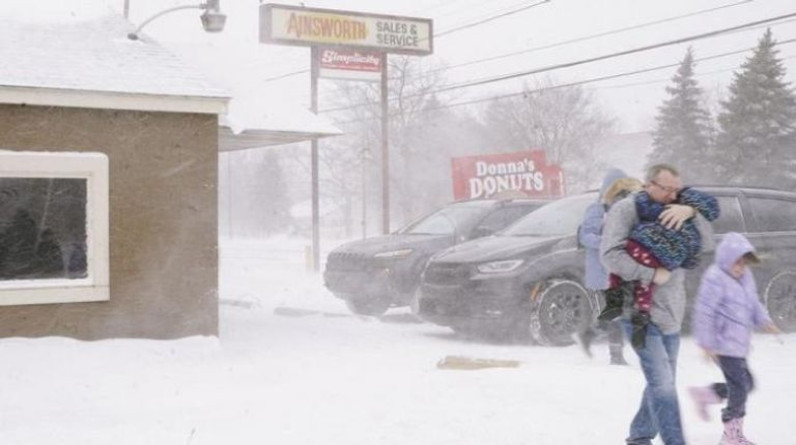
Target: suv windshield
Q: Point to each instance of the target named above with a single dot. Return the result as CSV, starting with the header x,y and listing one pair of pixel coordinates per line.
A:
x,y
559,218
448,220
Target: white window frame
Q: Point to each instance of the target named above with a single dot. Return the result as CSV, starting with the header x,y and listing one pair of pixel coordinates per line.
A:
x,y
94,168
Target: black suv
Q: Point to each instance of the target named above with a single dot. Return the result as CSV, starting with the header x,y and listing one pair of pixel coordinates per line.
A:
x,y
527,279
373,274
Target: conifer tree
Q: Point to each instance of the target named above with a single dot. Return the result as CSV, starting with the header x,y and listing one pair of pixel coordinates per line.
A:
x,y
756,144
682,134
272,191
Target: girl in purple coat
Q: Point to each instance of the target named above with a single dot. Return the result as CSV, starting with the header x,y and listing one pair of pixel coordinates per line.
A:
x,y
727,309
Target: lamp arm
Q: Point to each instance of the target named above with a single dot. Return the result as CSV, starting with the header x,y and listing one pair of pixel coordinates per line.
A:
x,y
134,35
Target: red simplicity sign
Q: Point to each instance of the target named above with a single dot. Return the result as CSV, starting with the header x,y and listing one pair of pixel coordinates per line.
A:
x,y
484,176
350,64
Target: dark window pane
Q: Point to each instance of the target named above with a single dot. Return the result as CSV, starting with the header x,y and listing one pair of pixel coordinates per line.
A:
x,y
774,215
558,218
500,219
448,220
42,228
731,218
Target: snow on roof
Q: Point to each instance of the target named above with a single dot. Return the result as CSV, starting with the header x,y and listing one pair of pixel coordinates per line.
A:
x,y
73,55
72,63
261,123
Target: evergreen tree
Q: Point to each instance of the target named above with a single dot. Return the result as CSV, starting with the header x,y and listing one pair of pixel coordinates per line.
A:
x,y
682,134
757,139
260,201
273,194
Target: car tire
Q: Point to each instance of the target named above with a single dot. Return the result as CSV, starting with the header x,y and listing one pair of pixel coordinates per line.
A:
x,y
368,305
414,303
563,307
780,300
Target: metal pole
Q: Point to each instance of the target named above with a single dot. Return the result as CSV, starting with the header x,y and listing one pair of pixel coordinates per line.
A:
x,y
385,150
126,9
316,237
134,35
229,191
364,161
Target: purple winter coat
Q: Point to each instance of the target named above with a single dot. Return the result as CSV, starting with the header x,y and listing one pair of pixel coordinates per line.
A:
x,y
590,234
727,308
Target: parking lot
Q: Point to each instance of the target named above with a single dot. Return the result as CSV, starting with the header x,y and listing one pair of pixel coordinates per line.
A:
x,y
379,380
293,366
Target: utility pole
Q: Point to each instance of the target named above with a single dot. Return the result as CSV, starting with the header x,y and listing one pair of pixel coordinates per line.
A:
x,y
385,149
316,233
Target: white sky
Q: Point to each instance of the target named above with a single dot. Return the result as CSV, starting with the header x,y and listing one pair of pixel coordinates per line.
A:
x,y
237,59
246,62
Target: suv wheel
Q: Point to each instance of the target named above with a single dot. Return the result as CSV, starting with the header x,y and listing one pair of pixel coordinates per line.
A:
x,y
368,305
780,298
562,309
414,302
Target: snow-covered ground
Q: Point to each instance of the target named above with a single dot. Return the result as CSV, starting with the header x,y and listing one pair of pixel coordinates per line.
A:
x,y
290,377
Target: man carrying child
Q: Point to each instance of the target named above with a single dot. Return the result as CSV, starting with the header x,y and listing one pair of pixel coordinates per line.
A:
x,y
659,411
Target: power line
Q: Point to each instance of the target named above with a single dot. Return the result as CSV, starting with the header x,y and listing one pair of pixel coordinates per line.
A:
x,y
471,6
463,6
436,35
653,82
282,76
591,37
552,45
492,18
435,6
614,55
588,81
706,58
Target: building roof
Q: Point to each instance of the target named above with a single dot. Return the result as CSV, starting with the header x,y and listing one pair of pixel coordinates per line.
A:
x,y
261,123
91,63
94,64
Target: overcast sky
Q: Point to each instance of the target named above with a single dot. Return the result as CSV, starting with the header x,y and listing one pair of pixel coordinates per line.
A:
x,y
237,59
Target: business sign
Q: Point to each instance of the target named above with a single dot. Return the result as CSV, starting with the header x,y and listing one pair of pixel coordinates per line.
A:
x,y
294,25
350,64
486,176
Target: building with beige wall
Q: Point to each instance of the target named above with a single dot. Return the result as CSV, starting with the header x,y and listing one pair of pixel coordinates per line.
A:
x,y
136,132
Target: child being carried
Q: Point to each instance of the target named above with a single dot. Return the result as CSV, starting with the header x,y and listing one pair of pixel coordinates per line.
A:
x,y
653,245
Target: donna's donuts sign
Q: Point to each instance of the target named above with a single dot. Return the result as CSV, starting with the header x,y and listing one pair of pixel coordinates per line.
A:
x,y
485,176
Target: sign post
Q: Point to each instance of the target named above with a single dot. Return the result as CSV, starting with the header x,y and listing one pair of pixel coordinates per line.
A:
x,y
316,233
346,32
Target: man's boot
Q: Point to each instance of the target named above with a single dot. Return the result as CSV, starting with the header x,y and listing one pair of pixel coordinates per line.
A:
x,y
616,355
703,396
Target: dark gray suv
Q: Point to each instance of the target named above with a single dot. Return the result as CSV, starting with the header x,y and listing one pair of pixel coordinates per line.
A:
x,y
527,279
374,274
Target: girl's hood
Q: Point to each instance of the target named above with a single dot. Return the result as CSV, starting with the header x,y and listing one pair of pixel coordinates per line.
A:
x,y
732,246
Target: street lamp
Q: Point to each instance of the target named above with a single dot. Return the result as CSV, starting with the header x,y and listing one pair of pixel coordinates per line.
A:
x,y
213,19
